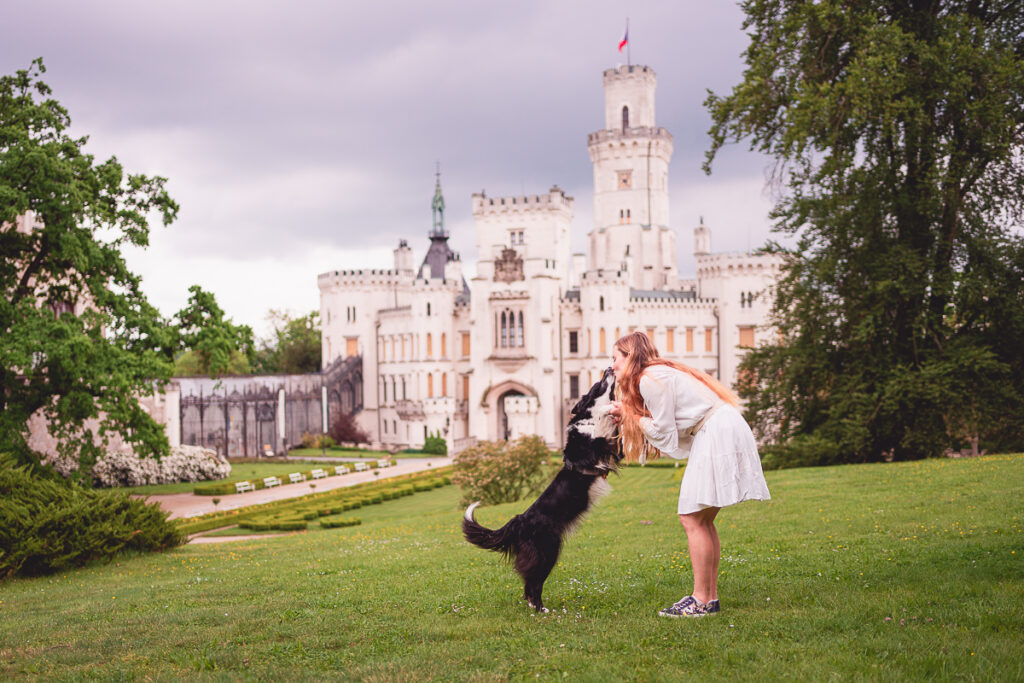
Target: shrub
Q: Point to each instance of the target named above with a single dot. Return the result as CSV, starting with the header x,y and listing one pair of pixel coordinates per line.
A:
x,y
320,441
435,445
184,463
47,525
495,472
345,430
803,450
341,522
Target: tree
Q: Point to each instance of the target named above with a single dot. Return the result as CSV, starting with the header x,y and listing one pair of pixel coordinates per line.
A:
x,y
897,129
78,340
294,346
212,344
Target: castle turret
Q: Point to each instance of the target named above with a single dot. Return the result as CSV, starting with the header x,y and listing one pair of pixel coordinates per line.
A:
x,y
631,158
701,239
403,259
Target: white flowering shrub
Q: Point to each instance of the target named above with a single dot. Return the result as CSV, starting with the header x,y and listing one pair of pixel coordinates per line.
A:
x,y
184,463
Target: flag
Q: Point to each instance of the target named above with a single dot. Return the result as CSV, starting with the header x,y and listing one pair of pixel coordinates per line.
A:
x,y
625,39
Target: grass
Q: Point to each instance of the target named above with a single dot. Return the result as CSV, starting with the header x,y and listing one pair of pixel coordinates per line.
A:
x,y
898,572
346,454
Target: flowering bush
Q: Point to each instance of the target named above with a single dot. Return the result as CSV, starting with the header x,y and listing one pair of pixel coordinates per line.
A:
x,y
185,463
501,472
310,440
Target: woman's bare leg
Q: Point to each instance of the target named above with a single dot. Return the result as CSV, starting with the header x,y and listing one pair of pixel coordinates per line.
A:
x,y
705,552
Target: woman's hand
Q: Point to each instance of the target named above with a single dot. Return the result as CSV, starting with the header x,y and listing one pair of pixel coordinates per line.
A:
x,y
616,411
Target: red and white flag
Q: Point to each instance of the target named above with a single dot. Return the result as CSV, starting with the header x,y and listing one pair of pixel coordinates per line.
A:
x,y
625,39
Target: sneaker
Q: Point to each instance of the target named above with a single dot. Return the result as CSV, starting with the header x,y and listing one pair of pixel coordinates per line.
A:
x,y
687,607
714,606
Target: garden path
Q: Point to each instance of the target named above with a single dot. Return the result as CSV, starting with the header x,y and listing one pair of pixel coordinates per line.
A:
x,y
191,505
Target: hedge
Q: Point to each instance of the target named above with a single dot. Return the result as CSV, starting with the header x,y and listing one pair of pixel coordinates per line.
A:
x,y
341,522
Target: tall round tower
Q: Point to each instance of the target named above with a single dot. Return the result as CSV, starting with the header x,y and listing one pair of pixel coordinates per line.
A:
x,y
631,157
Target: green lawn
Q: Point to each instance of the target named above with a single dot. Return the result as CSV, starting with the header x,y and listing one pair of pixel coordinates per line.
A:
x,y
877,572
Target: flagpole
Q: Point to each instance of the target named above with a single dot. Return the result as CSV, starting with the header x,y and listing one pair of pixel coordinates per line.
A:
x,y
629,59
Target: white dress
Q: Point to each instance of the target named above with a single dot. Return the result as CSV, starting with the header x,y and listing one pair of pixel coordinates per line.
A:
x,y
724,467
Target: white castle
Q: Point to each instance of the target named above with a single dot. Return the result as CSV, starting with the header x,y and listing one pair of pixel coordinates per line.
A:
x,y
509,353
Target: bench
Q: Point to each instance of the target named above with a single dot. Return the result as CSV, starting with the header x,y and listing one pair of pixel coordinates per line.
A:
x,y
268,451
383,463
362,467
296,477
243,486
271,482
318,474
341,469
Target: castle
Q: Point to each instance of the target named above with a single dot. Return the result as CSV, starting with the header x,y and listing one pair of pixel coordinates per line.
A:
x,y
509,352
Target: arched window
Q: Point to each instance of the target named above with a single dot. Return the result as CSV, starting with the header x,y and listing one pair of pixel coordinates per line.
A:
x,y
504,329
625,119
600,303
519,330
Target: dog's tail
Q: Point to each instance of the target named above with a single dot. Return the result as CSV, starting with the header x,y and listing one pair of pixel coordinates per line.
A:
x,y
502,540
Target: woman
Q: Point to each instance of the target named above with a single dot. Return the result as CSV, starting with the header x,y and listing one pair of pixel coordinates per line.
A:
x,y
675,409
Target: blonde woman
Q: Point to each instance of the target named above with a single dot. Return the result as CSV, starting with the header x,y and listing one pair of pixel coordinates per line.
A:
x,y
677,410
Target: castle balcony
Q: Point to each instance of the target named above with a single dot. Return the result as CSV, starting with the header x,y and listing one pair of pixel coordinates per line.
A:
x,y
410,410
644,132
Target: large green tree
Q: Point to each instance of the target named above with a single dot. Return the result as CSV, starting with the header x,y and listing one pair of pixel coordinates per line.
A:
x,y
294,344
897,130
78,339
211,344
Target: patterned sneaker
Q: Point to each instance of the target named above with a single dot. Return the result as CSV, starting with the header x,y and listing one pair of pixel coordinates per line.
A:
x,y
687,607
714,607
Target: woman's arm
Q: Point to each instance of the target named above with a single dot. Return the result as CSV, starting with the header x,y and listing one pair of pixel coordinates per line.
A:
x,y
660,428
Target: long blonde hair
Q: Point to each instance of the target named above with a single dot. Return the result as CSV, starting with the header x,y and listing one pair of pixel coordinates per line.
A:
x,y
641,354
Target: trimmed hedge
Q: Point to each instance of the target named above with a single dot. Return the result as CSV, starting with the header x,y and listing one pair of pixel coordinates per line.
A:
x,y
48,525
323,503
341,522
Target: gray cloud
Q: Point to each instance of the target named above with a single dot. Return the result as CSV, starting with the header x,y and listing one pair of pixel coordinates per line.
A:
x,y
312,128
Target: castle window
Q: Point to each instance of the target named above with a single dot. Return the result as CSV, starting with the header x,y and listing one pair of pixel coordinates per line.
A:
x,y
430,345
689,340
600,303
430,385
444,383
707,339
574,386
574,345
465,386
428,308
403,388
670,340
519,330
444,345
465,344
625,119
504,329
384,390
746,337
602,345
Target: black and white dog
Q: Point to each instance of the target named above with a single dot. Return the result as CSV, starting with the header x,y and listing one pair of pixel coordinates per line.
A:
x,y
533,539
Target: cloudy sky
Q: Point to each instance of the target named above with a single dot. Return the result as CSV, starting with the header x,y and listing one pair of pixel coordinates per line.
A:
x,y
302,137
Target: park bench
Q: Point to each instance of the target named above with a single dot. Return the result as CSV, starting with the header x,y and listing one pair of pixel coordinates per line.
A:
x,y
341,469
362,467
318,474
268,451
243,486
296,477
271,482
383,463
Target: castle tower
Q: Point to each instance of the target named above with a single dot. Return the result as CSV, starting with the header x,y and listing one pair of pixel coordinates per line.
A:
x,y
631,158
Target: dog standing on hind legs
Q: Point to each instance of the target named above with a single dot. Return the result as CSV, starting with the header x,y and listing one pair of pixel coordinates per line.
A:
x,y
533,540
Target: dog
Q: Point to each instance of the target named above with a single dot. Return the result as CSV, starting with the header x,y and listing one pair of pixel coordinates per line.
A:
x,y
533,539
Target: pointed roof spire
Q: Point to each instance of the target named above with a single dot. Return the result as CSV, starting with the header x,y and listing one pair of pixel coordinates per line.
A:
x,y
437,207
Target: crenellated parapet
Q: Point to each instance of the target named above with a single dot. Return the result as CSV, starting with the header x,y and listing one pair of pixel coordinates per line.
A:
x,y
363,278
737,263
554,201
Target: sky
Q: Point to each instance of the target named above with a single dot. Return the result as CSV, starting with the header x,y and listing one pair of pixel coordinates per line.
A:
x,y
300,138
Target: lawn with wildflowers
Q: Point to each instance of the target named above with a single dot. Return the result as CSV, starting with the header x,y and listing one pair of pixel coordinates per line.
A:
x,y
885,571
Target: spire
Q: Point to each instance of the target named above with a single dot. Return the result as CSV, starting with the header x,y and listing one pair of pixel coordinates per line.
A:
x,y
437,207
